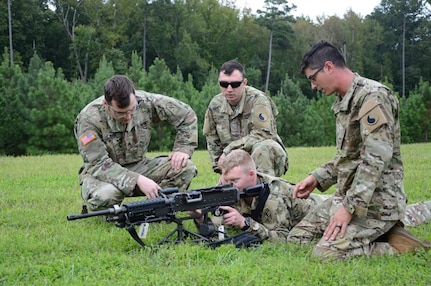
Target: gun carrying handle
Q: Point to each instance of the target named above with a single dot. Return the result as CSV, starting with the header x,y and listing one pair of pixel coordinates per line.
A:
x,y
195,199
169,191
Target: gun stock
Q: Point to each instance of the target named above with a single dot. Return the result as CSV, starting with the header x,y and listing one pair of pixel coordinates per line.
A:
x,y
255,190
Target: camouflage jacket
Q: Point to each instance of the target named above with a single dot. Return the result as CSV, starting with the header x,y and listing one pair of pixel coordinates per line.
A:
x,y
280,213
367,167
108,146
252,121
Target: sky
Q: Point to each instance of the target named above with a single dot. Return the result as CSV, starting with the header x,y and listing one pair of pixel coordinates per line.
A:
x,y
314,8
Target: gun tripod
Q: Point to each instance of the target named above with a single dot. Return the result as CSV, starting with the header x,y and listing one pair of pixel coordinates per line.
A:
x,y
182,233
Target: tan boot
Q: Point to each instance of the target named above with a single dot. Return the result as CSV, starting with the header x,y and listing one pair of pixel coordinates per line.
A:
x,y
404,241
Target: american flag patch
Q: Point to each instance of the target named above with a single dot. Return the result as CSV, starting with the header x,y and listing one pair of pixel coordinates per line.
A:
x,y
87,137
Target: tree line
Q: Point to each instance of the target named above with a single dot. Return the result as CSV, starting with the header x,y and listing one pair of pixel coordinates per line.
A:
x,y
64,50
38,107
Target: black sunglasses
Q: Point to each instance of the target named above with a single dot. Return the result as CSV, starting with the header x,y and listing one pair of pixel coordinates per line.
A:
x,y
233,84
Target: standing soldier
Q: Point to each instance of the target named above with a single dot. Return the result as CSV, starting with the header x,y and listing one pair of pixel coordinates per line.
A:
x,y
242,117
113,133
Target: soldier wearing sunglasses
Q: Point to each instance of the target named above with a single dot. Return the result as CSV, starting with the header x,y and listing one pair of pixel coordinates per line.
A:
x,y
242,117
113,133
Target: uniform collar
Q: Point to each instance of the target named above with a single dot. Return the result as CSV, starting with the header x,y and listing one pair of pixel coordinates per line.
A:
x,y
342,103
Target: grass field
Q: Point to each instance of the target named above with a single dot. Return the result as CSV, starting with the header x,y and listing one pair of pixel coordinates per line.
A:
x,y
38,246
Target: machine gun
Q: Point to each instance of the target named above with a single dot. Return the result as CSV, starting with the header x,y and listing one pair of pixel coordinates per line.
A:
x,y
169,203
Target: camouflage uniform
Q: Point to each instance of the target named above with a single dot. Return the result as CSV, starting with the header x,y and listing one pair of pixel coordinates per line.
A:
x,y
367,169
281,213
114,154
250,126
417,214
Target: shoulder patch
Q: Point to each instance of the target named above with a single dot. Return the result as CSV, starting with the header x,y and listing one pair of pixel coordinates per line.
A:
x,y
87,137
262,117
173,108
367,107
372,115
206,129
267,216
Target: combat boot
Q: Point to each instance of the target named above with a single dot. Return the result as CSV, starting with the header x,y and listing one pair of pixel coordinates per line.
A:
x,y
404,241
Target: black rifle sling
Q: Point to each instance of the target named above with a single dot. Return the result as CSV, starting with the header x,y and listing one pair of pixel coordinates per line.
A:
x,y
262,201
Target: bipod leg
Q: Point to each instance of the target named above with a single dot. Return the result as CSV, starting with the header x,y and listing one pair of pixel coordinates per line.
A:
x,y
132,231
182,233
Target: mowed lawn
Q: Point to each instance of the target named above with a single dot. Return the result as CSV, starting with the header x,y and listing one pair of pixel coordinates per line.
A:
x,y
38,246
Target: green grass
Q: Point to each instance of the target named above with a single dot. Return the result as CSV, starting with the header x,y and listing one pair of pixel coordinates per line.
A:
x,y
38,246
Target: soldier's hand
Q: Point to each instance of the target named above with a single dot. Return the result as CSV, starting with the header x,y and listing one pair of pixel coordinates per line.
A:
x,y
233,217
148,187
178,160
338,224
304,188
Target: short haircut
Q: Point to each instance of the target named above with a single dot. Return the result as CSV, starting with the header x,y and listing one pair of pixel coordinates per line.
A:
x,y
119,88
320,53
230,66
238,158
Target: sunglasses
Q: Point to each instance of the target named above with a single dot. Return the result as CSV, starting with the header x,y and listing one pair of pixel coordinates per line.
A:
x,y
233,84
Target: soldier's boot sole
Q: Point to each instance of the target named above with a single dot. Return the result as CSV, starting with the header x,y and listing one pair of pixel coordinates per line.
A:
x,y
404,241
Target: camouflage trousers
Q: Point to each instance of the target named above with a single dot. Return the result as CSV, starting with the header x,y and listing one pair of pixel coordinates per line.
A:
x,y
270,158
358,240
416,214
102,195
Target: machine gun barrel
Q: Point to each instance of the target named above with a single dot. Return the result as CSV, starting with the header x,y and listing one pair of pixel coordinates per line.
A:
x,y
111,211
115,210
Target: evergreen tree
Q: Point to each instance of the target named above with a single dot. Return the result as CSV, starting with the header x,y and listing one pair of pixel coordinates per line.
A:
x,y
50,126
320,122
415,113
292,106
13,109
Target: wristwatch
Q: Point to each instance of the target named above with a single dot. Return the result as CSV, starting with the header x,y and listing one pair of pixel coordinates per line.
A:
x,y
247,224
